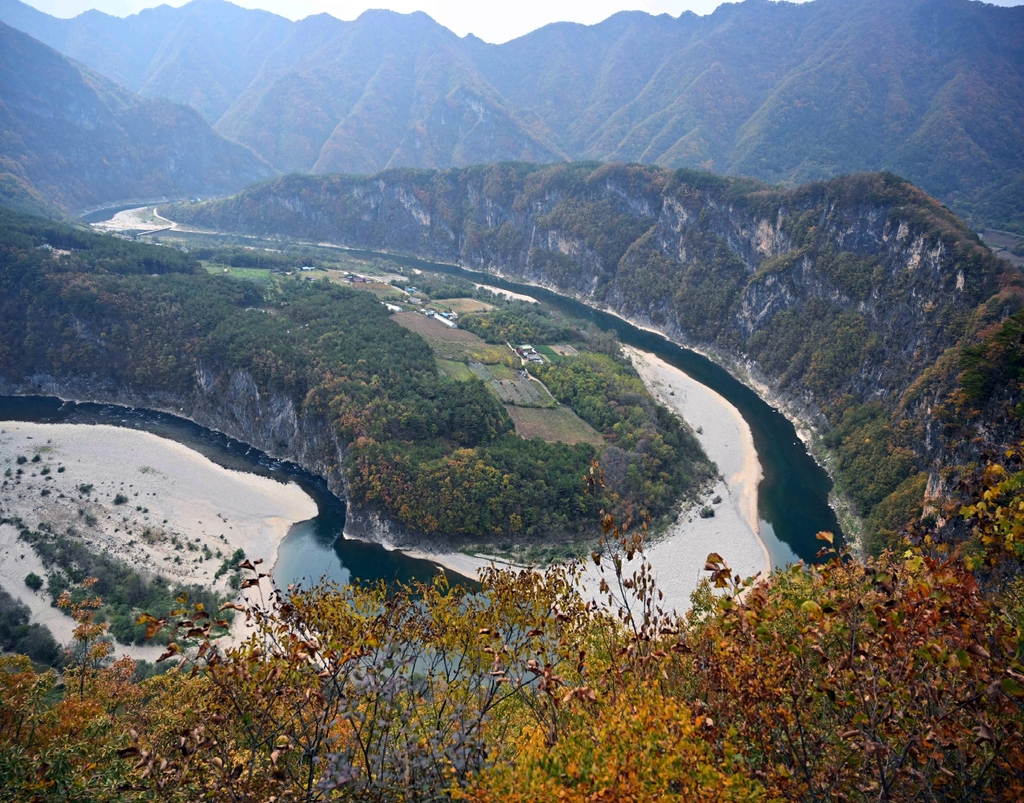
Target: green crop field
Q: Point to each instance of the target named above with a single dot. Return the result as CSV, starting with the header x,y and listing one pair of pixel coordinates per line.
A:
x,y
258,275
551,355
503,372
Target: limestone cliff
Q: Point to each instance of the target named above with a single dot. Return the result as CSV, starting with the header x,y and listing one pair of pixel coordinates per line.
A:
x,y
231,402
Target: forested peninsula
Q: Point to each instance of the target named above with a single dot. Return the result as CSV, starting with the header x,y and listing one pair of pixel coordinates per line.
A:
x,y
322,374
878,316
855,303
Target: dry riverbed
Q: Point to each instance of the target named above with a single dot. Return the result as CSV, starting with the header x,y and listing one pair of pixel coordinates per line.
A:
x,y
181,516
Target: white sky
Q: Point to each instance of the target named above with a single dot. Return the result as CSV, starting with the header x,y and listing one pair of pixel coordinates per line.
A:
x,y
492,21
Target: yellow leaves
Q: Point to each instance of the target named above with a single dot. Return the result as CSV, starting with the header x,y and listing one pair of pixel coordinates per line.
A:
x,y
637,747
913,561
812,609
997,513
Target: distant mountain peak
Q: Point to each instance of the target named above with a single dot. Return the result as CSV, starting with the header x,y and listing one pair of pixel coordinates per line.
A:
x,y
787,92
75,139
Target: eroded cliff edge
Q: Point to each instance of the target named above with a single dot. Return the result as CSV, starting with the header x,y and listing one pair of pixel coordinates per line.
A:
x,y
231,402
847,301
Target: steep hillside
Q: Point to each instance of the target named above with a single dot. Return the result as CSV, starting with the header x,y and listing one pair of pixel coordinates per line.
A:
x,y
203,55
850,300
325,376
386,90
74,139
930,89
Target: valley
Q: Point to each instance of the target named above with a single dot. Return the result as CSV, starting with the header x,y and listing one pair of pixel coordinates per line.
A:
x,y
682,542
842,298
632,410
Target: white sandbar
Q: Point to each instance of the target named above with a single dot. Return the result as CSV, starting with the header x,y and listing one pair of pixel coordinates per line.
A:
x,y
178,503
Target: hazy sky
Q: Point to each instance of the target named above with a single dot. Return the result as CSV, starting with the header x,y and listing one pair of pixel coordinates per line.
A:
x,y
491,21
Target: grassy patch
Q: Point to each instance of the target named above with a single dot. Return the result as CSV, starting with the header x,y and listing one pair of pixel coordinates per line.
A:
x,y
261,276
503,372
461,305
553,424
550,354
456,370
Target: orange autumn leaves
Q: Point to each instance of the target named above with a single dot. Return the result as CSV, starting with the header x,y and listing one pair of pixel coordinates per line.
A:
x,y
895,679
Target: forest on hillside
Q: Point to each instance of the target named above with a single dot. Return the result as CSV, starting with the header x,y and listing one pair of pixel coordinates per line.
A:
x,y
857,301
439,456
898,678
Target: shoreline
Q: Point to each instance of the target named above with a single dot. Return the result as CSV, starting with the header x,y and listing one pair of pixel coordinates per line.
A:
x,y
678,557
181,509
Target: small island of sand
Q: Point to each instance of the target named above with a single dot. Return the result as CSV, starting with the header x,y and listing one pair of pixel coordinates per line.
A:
x,y
157,505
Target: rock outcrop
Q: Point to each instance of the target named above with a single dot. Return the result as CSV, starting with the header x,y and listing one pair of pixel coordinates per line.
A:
x,y
842,300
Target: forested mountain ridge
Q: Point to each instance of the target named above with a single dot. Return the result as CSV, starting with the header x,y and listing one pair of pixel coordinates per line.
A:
x,y
852,299
930,89
74,139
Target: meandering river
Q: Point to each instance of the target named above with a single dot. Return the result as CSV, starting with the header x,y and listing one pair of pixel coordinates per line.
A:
x,y
312,549
793,497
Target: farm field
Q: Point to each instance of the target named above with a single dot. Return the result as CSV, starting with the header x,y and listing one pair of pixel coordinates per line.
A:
x,y
461,305
549,354
260,276
553,424
458,371
453,344
380,289
503,372
515,389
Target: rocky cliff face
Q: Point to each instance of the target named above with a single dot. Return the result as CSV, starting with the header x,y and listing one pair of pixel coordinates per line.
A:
x,y
710,263
835,297
230,402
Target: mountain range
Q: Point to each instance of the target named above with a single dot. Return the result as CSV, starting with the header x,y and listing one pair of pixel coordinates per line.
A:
x,y
72,139
930,89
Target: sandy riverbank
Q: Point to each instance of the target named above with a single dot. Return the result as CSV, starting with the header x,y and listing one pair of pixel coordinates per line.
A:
x,y
678,557
141,219
183,515
733,532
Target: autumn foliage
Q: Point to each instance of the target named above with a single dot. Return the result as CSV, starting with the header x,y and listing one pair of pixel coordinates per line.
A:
x,y
892,679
